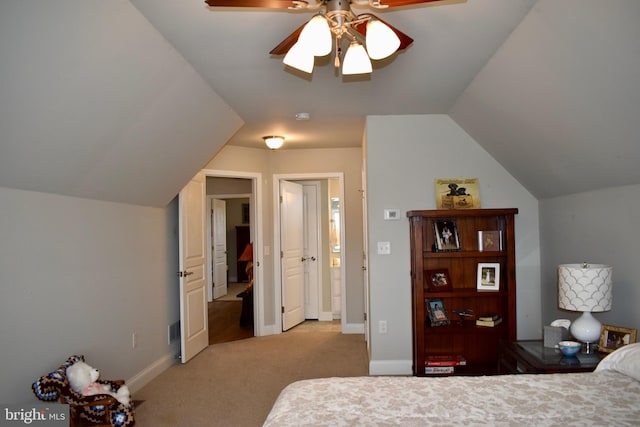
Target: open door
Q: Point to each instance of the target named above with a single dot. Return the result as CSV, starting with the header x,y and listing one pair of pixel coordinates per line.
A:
x,y
219,247
194,333
292,247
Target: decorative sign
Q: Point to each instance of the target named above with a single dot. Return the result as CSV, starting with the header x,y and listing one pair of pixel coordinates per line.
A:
x,y
457,193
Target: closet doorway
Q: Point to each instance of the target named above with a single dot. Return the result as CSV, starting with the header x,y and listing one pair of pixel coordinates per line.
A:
x,y
323,258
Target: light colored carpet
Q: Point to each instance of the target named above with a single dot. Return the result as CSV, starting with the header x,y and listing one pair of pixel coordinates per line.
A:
x,y
235,384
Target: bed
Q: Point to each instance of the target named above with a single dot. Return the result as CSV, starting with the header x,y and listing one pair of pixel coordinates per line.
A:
x,y
609,396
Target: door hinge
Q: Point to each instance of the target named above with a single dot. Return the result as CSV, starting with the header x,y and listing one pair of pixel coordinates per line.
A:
x,y
365,317
283,309
281,199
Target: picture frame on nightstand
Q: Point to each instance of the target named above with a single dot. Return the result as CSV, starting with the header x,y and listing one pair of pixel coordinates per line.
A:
x,y
614,337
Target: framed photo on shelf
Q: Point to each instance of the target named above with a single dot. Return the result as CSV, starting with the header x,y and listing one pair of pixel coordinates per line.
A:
x,y
437,312
490,241
488,276
446,235
614,337
438,280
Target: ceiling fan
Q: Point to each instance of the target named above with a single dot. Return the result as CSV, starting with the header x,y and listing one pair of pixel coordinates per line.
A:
x,y
334,21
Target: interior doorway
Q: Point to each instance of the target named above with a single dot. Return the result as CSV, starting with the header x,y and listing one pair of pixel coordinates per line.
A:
x,y
231,310
324,258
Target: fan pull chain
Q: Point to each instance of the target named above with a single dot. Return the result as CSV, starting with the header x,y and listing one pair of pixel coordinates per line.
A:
x,y
336,61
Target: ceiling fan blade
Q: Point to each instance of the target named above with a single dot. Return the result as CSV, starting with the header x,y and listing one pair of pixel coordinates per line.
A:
x,y
287,43
396,3
405,40
267,4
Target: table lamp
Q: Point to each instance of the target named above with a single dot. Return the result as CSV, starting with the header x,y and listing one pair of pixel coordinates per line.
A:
x,y
586,288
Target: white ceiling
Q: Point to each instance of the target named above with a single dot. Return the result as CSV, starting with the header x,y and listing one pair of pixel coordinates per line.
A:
x,y
230,48
124,100
556,101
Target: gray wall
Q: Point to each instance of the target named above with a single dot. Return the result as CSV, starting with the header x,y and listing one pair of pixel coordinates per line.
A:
x,y
404,155
596,227
80,276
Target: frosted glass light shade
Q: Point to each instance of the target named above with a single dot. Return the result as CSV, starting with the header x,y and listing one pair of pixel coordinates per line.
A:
x,y
316,36
299,58
585,287
381,40
273,142
356,60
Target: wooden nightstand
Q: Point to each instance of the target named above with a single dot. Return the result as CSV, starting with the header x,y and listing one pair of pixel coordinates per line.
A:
x,y
531,357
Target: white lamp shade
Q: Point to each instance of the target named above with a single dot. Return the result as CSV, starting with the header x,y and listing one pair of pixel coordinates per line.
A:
x,y
316,36
356,60
381,40
299,58
585,287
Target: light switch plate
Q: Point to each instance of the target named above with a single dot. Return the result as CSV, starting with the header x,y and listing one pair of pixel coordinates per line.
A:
x,y
384,248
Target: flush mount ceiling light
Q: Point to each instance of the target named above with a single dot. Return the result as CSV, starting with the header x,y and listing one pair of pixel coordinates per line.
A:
x,y
334,22
273,141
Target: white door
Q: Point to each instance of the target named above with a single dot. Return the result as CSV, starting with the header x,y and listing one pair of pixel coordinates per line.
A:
x,y
311,254
194,333
365,256
292,243
219,247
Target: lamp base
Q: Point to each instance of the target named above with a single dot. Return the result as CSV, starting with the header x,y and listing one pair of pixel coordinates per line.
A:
x,y
586,329
590,348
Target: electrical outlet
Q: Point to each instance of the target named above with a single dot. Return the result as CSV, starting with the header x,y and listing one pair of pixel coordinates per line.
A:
x,y
382,326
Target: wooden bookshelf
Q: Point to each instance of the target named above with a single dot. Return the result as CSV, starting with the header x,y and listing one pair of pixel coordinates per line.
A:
x,y
479,346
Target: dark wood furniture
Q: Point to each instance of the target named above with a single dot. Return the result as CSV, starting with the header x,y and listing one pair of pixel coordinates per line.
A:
x,y
242,239
532,357
479,346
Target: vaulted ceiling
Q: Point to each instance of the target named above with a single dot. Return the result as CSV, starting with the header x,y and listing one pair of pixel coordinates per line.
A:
x,y
95,96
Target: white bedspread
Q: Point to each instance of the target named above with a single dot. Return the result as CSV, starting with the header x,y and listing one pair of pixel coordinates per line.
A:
x,y
578,399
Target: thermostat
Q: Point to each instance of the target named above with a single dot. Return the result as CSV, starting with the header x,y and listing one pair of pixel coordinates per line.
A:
x,y
391,214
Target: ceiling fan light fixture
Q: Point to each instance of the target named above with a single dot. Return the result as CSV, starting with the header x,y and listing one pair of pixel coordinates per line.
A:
x,y
356,60
380,39
316,36
299,58
273,141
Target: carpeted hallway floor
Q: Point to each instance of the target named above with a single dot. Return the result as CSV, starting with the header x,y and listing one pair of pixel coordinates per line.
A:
x,y
235,383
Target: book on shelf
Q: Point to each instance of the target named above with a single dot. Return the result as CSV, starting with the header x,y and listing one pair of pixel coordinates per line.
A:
x,y
438,369
489,323
445,360
489,317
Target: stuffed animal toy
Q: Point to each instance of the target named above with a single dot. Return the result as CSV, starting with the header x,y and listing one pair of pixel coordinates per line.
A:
x,y
83,379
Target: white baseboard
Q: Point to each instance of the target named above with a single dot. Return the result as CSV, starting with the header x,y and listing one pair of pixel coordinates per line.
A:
x,y
270,330
353,328
325,316
390,367
145,376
